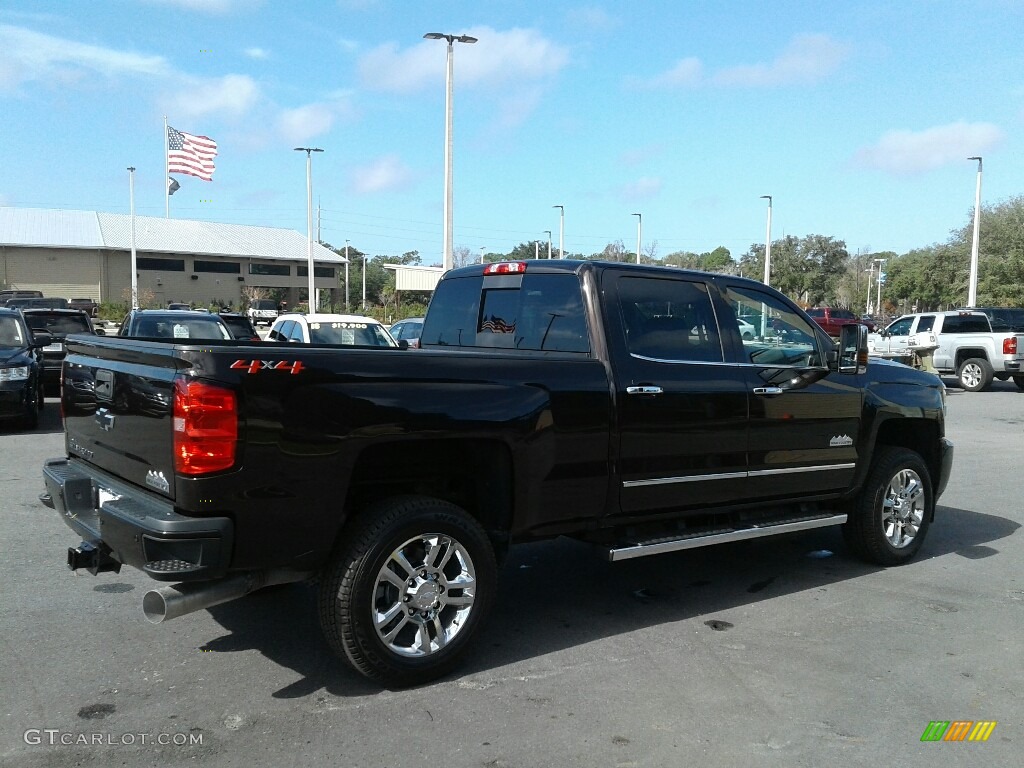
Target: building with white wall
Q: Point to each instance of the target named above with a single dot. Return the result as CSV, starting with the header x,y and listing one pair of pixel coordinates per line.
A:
x,y
86,254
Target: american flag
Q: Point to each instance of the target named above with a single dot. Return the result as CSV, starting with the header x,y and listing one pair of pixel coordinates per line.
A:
x,y
190,154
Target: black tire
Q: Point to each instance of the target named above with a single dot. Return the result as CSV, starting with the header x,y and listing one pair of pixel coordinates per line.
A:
x,y
975,374
888,522
1019,381
33,407
416,598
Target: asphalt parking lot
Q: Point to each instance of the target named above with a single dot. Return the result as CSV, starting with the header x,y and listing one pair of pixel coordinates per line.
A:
x,y
775,652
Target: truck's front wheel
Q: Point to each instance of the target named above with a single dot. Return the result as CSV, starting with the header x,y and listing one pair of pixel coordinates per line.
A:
x,y
408,589
888,522
975,374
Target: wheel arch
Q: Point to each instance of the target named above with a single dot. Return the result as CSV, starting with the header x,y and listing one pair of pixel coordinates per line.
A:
x,y
919,435
475,475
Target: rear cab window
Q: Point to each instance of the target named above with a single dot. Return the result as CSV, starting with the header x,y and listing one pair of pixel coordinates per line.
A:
x,y
525,312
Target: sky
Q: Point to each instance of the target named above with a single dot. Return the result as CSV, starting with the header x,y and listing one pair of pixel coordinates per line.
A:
x,y
857,118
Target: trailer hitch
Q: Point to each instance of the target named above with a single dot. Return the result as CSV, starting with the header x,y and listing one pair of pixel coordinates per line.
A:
x,y
92,558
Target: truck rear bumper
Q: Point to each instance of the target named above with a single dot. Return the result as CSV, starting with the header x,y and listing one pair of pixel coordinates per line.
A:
x,y
131,527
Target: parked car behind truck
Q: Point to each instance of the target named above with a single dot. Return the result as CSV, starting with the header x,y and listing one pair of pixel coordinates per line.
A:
x,y
617,404
966,346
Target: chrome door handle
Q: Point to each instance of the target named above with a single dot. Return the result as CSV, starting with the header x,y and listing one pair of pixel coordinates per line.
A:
x,y
645,390
768,390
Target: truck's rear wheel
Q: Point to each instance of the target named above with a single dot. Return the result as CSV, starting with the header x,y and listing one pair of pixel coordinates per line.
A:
x,y
975,374
1019,381
888,522
410,586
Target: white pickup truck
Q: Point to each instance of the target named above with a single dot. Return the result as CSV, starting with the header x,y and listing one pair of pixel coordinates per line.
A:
x,y
967,348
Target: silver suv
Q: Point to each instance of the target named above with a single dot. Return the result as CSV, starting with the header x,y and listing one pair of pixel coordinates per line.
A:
x,y
262,311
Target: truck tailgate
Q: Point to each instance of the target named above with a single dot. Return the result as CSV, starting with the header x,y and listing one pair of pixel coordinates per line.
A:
x,y
118,407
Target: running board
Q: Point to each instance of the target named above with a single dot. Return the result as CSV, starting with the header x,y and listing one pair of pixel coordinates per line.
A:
x,y
720,536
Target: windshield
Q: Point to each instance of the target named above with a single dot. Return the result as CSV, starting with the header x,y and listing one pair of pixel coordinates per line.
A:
x,y
361,334
184,328
60,325
10,333
264,304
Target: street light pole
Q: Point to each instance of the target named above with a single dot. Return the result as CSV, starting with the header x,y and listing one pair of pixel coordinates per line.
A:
x,y
482,253
365,255
768,243
548,233
871,273
767,263
972,288
878,286
639,232
561,233
309,221
347,309
452,39
131,203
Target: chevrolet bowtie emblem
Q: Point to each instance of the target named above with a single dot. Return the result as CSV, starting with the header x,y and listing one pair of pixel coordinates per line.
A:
x,y
105,419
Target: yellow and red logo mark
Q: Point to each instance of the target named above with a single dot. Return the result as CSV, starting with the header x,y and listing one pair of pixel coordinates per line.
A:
x,y
255,366
958,730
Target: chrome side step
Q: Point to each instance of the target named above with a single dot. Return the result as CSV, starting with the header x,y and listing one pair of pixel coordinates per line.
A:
x,y
705,539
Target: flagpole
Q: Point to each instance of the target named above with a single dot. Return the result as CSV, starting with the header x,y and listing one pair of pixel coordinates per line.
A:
x,y
167,174
135,274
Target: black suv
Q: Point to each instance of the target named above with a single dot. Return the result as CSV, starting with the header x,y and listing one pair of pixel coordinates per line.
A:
x,y
1003,318
60,323
240,326
21,369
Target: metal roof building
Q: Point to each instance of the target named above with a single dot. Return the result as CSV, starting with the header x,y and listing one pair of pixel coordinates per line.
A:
x,y
87,254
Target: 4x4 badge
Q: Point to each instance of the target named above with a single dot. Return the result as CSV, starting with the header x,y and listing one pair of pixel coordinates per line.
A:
x,y
255,366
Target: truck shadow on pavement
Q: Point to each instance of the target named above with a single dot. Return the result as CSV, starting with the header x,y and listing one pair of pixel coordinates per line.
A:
x,y
559,594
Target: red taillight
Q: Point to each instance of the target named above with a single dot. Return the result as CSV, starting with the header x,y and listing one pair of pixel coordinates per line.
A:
x,y
505,268
1010,345
205,427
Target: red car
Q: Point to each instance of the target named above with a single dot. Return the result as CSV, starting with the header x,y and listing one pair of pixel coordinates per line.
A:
x,y
830,319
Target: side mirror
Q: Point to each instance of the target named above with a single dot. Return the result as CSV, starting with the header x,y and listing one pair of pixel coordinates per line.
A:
x,y
403,344
853,349
100,331
41,339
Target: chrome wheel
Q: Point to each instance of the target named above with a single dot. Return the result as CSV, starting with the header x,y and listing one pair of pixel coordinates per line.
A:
x,y
903,508
971,376
424,594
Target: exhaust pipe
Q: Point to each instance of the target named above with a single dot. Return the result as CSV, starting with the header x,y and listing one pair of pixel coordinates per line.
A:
x,y
168,603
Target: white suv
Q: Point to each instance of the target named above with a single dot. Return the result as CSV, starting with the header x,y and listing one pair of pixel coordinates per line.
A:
x,y
262,311
348,330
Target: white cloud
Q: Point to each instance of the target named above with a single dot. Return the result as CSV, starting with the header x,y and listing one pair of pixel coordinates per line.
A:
x,y
256,53
642,189
497,59
302,123
592,18
387,173
685,73
233,95
910,152
808,59
33,56
216,7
